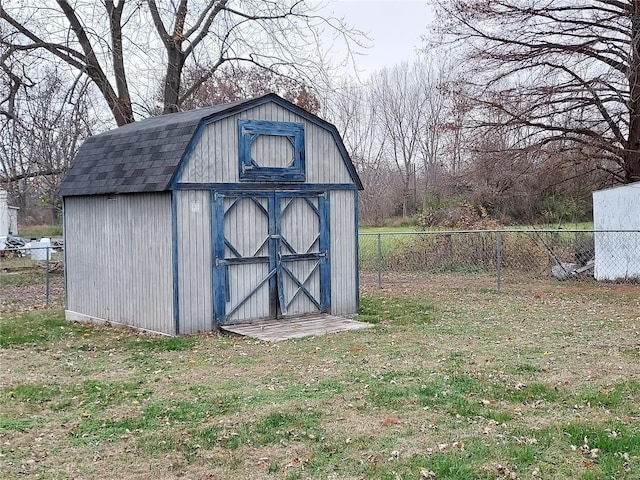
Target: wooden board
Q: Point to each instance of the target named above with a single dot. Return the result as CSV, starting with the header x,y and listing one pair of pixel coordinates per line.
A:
x,y
275,330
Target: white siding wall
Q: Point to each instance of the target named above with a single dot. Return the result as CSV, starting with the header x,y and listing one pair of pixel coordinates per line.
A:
x,y
118,260
195,297
215,157
343,253
617,254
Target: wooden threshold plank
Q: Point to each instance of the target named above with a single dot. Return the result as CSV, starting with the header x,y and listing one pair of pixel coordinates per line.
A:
x,y
295,327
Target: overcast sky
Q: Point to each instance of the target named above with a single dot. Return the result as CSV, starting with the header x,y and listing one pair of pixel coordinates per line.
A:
x,y
394,26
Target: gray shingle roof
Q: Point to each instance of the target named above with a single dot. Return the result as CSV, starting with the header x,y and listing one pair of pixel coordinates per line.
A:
x,y
138,157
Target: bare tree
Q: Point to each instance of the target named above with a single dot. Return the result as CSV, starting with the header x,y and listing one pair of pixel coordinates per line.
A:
x,y
45,123
576,66
434,142
13,87
352,109
458,130
122,46
395,128
400,95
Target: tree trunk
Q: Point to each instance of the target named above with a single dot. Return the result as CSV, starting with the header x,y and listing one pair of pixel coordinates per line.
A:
x,y
175,64
632,152
405,194
123,100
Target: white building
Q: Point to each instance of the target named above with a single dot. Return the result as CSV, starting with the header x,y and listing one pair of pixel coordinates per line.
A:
x,y
8,216
617,254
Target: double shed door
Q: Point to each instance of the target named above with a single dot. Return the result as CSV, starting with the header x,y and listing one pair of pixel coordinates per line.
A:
x,y
271,255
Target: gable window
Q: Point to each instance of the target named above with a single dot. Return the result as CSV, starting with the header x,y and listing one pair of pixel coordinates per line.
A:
x,y
271,151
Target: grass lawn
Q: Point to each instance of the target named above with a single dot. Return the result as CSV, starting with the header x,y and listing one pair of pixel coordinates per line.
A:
x,y
40,231
405,228
542,382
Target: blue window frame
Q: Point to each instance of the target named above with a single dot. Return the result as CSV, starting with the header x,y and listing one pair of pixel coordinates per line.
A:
x,y
271,151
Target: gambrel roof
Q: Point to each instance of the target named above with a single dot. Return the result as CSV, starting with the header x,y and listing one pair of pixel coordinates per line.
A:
x,y
144,156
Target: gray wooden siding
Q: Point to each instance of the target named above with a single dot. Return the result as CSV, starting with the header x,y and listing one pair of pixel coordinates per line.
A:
x,y
247,227
302,270
118,259
272,151
300,227
343,253
195,295
215,156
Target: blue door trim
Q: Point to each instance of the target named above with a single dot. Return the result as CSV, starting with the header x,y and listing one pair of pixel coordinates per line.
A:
x,y
220,275
357,240
265,187
325,246
174,262
273,256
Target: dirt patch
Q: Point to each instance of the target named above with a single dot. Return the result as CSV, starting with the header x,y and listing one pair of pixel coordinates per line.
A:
x,y
23,298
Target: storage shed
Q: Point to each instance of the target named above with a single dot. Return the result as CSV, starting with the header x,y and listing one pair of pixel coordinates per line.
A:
x,y
616,221
187,222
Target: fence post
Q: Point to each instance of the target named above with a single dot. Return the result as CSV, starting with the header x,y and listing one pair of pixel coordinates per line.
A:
x,y
498,260
47,267
379,261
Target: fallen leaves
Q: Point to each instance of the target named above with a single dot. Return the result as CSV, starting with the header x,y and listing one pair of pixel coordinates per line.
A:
x,y
506,472
428,474
391,420
444,447
586,449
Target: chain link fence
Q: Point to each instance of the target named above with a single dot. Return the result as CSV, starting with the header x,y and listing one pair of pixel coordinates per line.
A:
x,y
31,277
500,256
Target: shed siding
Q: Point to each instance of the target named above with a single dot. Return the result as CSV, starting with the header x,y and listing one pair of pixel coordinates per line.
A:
x,y
272,151
214,158
118,259
246,227
343,253
300,227
617,255
195,301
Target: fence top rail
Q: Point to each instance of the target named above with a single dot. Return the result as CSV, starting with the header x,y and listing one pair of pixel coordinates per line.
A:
x,y
515,230
22,249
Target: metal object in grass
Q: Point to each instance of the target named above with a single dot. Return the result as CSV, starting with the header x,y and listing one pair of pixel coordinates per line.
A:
x,y
11,246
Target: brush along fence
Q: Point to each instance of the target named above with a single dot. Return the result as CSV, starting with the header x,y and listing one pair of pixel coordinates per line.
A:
x,y
503,254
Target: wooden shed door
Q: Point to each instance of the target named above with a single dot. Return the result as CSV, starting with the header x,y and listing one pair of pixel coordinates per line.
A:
x,y
271,255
